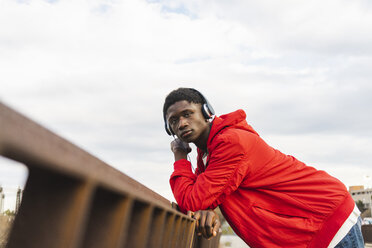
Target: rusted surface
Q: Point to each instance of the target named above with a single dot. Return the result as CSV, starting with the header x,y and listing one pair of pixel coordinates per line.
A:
x,y
23,140
52,213
72,199
157,229
201,242
108,221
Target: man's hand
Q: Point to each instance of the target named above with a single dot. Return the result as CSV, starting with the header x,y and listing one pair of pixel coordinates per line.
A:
x,y
180,149
207,222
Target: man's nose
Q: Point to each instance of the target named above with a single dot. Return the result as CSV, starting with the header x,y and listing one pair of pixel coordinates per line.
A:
x,y
182,123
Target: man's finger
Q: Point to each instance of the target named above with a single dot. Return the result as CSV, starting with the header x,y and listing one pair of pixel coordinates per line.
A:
x,y
197,217
190,213
202,226
209,223
216,227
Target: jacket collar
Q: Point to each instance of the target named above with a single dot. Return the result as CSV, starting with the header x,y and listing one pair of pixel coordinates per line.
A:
x,y
234,119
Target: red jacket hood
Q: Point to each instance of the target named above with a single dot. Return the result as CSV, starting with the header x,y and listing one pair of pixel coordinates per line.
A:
x,y
235,119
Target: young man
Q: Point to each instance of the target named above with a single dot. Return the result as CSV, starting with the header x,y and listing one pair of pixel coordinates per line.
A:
x,y
270,199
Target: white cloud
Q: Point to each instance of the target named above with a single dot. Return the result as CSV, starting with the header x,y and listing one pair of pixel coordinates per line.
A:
x,y
97,72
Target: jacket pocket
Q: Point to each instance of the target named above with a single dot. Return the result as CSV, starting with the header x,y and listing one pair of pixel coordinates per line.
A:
x,y
276,213
283,228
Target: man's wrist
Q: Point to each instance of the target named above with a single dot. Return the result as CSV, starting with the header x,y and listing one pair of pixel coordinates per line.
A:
x,y
179,155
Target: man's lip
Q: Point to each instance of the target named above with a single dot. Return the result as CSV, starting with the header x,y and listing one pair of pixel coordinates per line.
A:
x,y
186,133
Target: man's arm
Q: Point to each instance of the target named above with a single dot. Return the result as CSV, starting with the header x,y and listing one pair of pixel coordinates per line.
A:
x,y
226,169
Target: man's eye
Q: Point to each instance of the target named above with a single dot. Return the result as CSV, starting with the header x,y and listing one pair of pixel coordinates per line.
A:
x,y
173,121
186,115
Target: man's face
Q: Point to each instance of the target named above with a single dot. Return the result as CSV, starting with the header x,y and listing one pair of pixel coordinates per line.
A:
x,y
187,121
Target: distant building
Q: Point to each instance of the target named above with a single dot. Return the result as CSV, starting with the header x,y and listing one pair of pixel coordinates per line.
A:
x,y
354,188
18,199
358,193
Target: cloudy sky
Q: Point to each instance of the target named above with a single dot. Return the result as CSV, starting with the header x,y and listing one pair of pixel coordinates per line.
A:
x,y
96,72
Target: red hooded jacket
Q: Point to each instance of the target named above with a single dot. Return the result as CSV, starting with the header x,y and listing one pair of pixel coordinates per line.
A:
x,y
269,199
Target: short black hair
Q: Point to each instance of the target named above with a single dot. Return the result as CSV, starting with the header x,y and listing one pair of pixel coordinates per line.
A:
x,y
189,94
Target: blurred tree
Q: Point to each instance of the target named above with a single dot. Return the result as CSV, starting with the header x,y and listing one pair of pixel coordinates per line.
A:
x,y
360,206
9,213
225,227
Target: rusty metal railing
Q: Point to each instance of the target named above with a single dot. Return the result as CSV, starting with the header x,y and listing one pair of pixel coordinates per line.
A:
x,y
72,199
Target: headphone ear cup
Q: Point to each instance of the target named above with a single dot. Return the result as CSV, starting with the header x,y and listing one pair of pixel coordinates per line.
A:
x,y
168,129
206,111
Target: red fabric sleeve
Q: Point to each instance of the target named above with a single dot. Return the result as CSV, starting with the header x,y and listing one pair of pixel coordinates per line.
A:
x,y
226,169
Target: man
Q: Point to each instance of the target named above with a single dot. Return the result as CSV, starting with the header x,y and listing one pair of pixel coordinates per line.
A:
x,y
269,199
